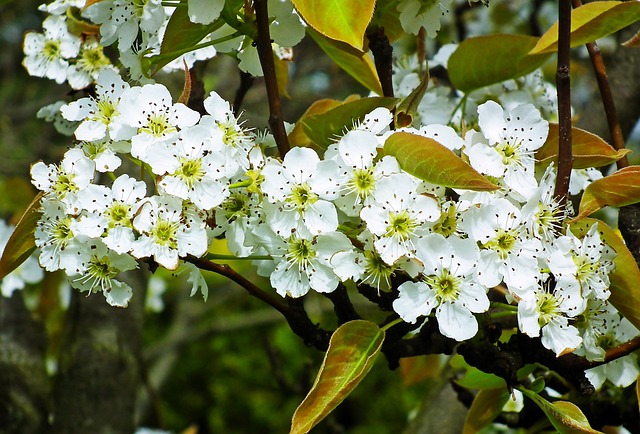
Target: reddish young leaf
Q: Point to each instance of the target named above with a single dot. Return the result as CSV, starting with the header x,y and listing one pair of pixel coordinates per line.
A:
x,y
21,243
618,189
353,348
590,22
589,150
433,162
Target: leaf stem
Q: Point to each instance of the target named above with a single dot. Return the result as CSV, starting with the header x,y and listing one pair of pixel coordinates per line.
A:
x,y
615,129
387,326
265,53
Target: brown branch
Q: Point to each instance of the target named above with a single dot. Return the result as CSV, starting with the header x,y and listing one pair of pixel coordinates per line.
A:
x,y
250,287
563,83
246,80
383,58
265,53
293,310
606,94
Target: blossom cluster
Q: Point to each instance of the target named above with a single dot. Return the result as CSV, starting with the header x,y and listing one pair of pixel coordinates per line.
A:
x,y
312,222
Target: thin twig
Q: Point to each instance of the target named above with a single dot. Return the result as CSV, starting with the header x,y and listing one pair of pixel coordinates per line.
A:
x,y
230,273
246,80
613,121
265,53
383,58
563,83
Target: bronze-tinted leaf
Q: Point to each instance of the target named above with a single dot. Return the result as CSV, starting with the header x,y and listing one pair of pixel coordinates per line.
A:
x,y
433,162
618,189
353,348
21,243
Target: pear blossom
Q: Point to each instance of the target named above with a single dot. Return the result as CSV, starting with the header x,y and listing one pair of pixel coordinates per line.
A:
x,y
47,54
155,118
588,262
415,14
398,215
163,234
299,191
65,181
191,169
510,140
55,232
121,20
96,270
506,251
448,285
88,65
111,212
542,311
100,116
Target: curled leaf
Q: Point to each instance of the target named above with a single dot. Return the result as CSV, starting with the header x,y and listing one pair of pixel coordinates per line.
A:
x,y
486,407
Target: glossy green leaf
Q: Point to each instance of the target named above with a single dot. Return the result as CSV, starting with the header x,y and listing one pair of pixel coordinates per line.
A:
x,y
344,21
21,243
486,407
297,136
433,162
180,37
325,128
485,60
618,189
565,416
590,22
589,150
357,65
625,292
474,378
353,348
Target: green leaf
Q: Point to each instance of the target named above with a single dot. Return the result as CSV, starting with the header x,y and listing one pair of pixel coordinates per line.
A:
x,y
21,243
474,378
590,22
323,129
589,150
565,416
625,292
409,106
433,162
297,137
486,60
344,21
486,406
618,189
179,38
357,65
353,348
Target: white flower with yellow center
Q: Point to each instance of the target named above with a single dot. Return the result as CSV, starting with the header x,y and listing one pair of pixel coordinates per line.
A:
x,y
191,169
507,145
87,67
299,191
64,182
164,235
100,116
397,216
506,251
97,269
448,284
47,54
156,119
